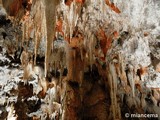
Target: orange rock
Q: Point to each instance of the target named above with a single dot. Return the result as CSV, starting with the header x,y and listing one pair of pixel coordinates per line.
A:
x,y
68,2
42,94
74,43
138,86
115,34
14,7
108,2
143,70
59,26
80,1
112,6
105,41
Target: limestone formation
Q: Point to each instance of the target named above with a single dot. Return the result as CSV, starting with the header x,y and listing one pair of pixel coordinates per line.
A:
x,y
79,59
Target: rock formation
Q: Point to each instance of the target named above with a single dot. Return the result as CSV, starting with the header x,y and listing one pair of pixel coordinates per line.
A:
x,y
79,59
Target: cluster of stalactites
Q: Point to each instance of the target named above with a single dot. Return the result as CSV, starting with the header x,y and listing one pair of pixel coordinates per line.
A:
x,y
118,83
73,22
80,38
39,24
34,29
125,84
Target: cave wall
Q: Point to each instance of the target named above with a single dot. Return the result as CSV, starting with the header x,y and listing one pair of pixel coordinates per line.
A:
x,y
110,49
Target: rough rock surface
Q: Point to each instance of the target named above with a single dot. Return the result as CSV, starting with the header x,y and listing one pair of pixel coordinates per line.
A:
x,y
79,59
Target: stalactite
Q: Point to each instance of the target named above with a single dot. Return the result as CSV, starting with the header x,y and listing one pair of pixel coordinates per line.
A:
x,y
70,22
35,47
37,42
154,97
24,58
27,30
70,64
113,91
91,48
131,79
143,102
43,25
86,39
121,71
28,71
137,99
23,32
50,28
112,108
156,94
